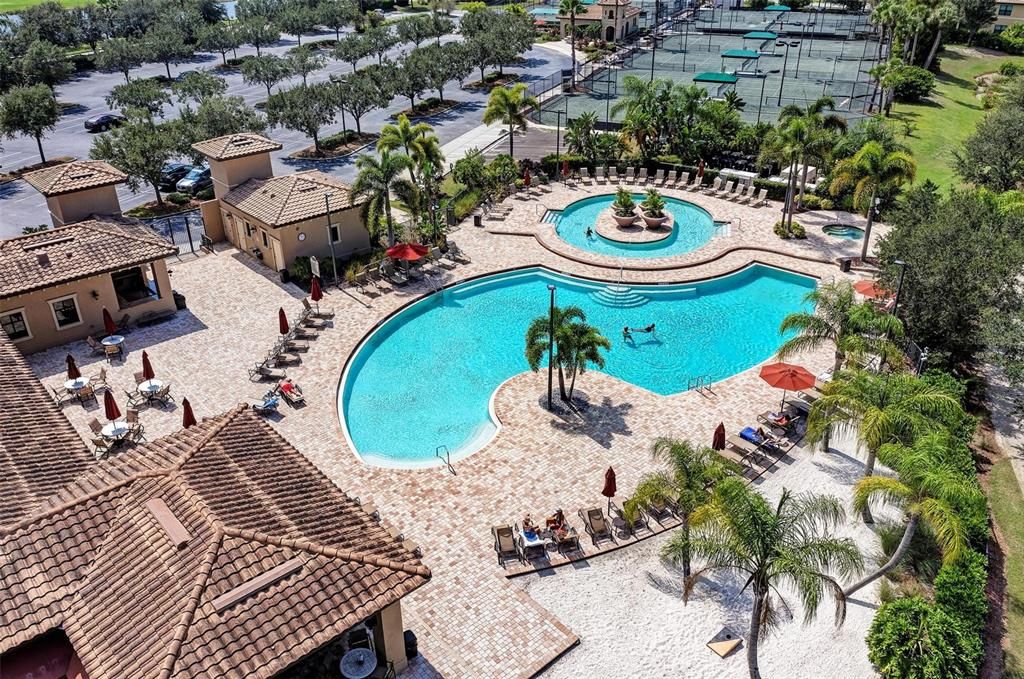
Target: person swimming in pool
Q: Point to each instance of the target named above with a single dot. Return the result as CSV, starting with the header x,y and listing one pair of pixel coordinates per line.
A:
x,y
627,333
647,329
590,232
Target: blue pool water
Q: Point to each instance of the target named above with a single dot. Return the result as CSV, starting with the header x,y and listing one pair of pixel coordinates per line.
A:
x,y
693,229
426,376
544,11
843,231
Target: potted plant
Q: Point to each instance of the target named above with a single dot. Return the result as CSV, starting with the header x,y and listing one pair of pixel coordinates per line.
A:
x,y
624,208
653,209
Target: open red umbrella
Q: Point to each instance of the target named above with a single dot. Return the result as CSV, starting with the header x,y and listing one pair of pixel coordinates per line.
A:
x,y
870,289
147,367
282,321
787,377
718,440
73,372
409,252
110,408
526,178
609,486
188,418
108,322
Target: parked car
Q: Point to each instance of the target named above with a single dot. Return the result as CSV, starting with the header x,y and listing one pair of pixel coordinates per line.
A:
x,y
104,121
171,174
195,181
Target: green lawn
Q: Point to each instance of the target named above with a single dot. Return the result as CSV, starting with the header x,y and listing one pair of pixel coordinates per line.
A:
x,y
1005,498
13,6
950,115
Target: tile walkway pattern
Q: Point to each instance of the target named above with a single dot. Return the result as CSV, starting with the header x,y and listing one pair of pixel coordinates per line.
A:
x,y
470,621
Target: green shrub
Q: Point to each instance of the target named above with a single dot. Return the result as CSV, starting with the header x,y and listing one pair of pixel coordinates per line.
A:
x,y
1012,39
653,204
960,589
624,204
205,194
797,230
552,163
825,203
912,639
179,198
465,203
333,141
300,270
780,229
471,169
776,190
502,171
27,230
1010,69
912,84
812,202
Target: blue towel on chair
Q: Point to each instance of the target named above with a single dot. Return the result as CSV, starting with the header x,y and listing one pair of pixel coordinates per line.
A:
x,y
750,434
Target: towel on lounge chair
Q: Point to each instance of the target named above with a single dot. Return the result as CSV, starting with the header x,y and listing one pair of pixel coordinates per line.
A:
x,y
750,434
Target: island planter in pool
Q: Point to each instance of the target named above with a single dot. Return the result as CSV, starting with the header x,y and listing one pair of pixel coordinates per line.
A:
x,y
653,210
624,208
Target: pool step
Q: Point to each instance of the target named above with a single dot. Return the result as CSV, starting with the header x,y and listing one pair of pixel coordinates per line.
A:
x,y
619,296
552,217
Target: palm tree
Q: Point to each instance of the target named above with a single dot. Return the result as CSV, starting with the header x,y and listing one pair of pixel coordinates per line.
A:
x,y
734,101
418,141
870,171
786,145
585,343
572,8
579,135
880,409
789,544
855,329
641,129
940,14
823,125
928,489
692,473
538,339
506,105
377,178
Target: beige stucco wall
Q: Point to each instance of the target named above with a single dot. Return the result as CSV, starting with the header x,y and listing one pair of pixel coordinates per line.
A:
x,y
69,208
627,22
389,636
43,327
1016,15
212,224
283,243
227,174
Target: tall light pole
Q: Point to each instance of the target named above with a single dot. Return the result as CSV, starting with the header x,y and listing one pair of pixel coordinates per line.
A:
x,y
787,44
899,286
551,341
330,241
686,41
654,37
760,101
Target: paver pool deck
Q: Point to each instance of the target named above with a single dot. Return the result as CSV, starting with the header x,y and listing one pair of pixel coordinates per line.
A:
x,y
470,620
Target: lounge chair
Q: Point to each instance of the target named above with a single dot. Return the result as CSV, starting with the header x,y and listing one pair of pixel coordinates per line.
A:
x,y
761,199
292,395
282,358
268,404
600,178
291,344
596,525
455,253
641,178
392,276
639,522
683,179
671,178
613,175
695,184
584,175
715,187
265,372
505,546
725,189
569,540
439,259
322,313
95,346
300,332
630,175
659,177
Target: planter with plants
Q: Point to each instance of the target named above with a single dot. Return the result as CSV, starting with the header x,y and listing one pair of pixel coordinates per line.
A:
x,y
653,209
624,208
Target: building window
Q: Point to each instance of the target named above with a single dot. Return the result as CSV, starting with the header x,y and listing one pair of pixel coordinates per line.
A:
x,y
998,28
248,230
335,234
1005,10
263,235
14,324
133,286
65,312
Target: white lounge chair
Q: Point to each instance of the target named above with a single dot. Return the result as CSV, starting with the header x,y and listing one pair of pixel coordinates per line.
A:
x,y
630,175
642,177
659,177
761,199
600,177
613,174
695,184
725,189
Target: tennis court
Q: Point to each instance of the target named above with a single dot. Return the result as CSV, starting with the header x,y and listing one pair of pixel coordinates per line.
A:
x,y
770,59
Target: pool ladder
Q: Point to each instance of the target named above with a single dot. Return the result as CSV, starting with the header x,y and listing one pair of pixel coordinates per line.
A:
x,y
441,453
700,384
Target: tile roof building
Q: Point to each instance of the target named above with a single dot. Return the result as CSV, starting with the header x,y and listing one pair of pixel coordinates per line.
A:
x,y
77,190
617,19
236,146
217,551
279,201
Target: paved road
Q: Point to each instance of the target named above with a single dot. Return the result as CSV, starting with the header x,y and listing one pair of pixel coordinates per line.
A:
x,y
21,205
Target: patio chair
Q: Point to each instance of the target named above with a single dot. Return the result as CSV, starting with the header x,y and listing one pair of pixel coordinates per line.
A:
x,y
294,344
639,521
392,276
134,398
585,175
660,510
695,184
641,178
715,186
112,352
95,427
726,189
139,377
455,253
86,393
659,176
301,332
600,178
761,199
505,544
742,192
568,541
630,175
439,259
291,393
62,396
283,358
94,346
265,372
100,378
164,395
596,525
122,325
613,174
683,179
268,405
360,637
101,447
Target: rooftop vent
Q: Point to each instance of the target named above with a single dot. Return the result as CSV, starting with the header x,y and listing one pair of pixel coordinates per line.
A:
x,y
175,530
257,584
43,259
241,141
82,175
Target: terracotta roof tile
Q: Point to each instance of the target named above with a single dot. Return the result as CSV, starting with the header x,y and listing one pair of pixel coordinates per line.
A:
x,y
76,251
235,146
296,197
74,176
97,560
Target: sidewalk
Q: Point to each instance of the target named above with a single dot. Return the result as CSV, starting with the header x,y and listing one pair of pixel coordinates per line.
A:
x,y
1004,403
480,137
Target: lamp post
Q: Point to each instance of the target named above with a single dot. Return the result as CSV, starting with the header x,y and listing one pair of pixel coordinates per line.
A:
x,y
654,36
899,286
330,241
686,42
551,341
785,60
799,49
760,101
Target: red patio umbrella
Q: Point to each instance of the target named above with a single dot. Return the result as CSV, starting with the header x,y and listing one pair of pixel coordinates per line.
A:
x,y
110,408
787,377
609,486
409,252
188,418
526,178
565,168
108,322
73,372
870,289
718,440
282,321
147,367
700,169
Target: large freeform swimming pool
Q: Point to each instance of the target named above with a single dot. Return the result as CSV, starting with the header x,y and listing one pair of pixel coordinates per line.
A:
x,y
694,227
425,377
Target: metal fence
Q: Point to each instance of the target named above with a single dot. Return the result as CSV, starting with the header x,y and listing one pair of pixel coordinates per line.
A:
x,y
185,229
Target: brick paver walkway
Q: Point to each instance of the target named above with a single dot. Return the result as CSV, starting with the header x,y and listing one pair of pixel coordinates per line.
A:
x,y
470,621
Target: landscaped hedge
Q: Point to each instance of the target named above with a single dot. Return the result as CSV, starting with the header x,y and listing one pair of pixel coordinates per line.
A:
x,y
913,639
960,589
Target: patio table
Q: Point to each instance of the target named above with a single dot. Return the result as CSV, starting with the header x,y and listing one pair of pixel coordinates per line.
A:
x,y
115,430
358,663
76,384
150,387
537,541
112,340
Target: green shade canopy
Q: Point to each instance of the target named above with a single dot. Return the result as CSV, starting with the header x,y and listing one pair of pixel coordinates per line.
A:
x,y
760,35
741,54
711,77
776,8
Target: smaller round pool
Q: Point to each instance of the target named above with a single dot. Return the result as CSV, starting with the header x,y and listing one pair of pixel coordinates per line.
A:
x,y
843,231
693,228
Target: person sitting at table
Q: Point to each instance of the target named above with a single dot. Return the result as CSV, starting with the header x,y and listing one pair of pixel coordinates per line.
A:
x,y
528,525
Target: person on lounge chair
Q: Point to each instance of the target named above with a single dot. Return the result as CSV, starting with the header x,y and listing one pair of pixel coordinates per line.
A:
x,y
779,419
291,391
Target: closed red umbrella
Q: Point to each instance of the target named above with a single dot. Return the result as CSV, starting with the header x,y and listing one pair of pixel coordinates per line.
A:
x,y
108,322
565,168
282,321
409,252
147,367
718,440
110,408
787,377
700,169
188,418
526,178
609,486
73,372
315,293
